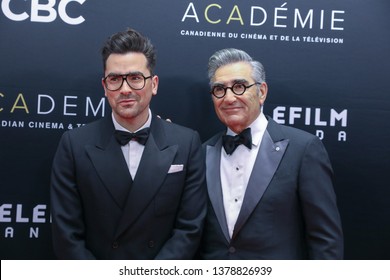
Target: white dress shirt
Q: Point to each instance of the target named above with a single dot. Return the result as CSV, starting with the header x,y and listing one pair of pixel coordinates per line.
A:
x,y
133,150
236,170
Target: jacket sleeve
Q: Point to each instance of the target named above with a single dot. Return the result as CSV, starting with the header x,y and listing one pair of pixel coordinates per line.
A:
x,y
322,220
68,229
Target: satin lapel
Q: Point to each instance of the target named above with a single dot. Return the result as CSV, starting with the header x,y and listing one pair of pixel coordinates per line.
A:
x,y
267,161
213,163
110,165
151,173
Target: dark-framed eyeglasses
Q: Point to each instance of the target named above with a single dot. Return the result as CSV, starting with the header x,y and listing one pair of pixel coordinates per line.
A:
x,y
237,88
135,81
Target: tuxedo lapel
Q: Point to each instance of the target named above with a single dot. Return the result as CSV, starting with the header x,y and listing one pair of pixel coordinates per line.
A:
x,y
269,156
107,158
154,166
214,187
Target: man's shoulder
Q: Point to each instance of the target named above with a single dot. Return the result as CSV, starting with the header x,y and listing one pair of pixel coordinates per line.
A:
x,y
214,139
290,132
173,128
90,127
89,132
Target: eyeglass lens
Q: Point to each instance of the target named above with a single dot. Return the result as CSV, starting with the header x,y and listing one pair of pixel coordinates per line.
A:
x,y
237,88
135,81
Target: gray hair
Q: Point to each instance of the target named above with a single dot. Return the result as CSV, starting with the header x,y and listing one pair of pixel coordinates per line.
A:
x,y
228,56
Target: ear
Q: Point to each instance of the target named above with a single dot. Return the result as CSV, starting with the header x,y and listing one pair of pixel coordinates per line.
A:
x,y
263,92
154,84
104,87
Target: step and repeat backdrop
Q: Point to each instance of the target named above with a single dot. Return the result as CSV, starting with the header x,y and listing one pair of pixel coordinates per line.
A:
x,y
327,65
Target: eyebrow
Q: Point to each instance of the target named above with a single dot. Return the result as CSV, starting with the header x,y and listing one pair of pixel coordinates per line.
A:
x,y
243,81
129,73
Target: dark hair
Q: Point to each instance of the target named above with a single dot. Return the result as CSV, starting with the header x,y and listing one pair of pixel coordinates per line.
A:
x,y
129,41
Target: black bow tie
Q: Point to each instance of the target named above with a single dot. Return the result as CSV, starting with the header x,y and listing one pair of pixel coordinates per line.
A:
x,y
230,143
124,137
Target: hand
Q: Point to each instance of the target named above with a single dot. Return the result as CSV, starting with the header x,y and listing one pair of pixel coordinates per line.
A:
x,y
168,120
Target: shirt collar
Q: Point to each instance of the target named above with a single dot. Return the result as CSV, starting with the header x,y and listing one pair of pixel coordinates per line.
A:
x,y
119,127
258,126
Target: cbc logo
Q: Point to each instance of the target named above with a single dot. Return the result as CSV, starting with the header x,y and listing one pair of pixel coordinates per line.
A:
x,y
42,12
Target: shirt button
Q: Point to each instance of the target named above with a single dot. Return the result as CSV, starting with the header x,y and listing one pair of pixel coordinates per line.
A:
x,y
151,244
232,250
115,245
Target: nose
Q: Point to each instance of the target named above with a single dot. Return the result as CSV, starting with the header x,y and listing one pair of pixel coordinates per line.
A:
x,y
125,88
229,96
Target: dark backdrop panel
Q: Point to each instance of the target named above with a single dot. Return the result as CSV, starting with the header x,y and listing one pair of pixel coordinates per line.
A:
x,y
329,78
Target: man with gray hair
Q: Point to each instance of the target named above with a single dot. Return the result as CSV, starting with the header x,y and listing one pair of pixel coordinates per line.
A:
x,y
270,186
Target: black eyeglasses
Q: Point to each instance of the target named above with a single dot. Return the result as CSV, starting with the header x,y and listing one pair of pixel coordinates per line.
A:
x,y
237,88
135,81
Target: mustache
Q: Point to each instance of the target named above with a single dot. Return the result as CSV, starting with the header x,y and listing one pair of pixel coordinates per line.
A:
x,y
127,97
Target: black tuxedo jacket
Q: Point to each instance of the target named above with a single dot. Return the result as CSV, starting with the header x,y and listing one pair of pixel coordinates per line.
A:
x,y
100,212
289,209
